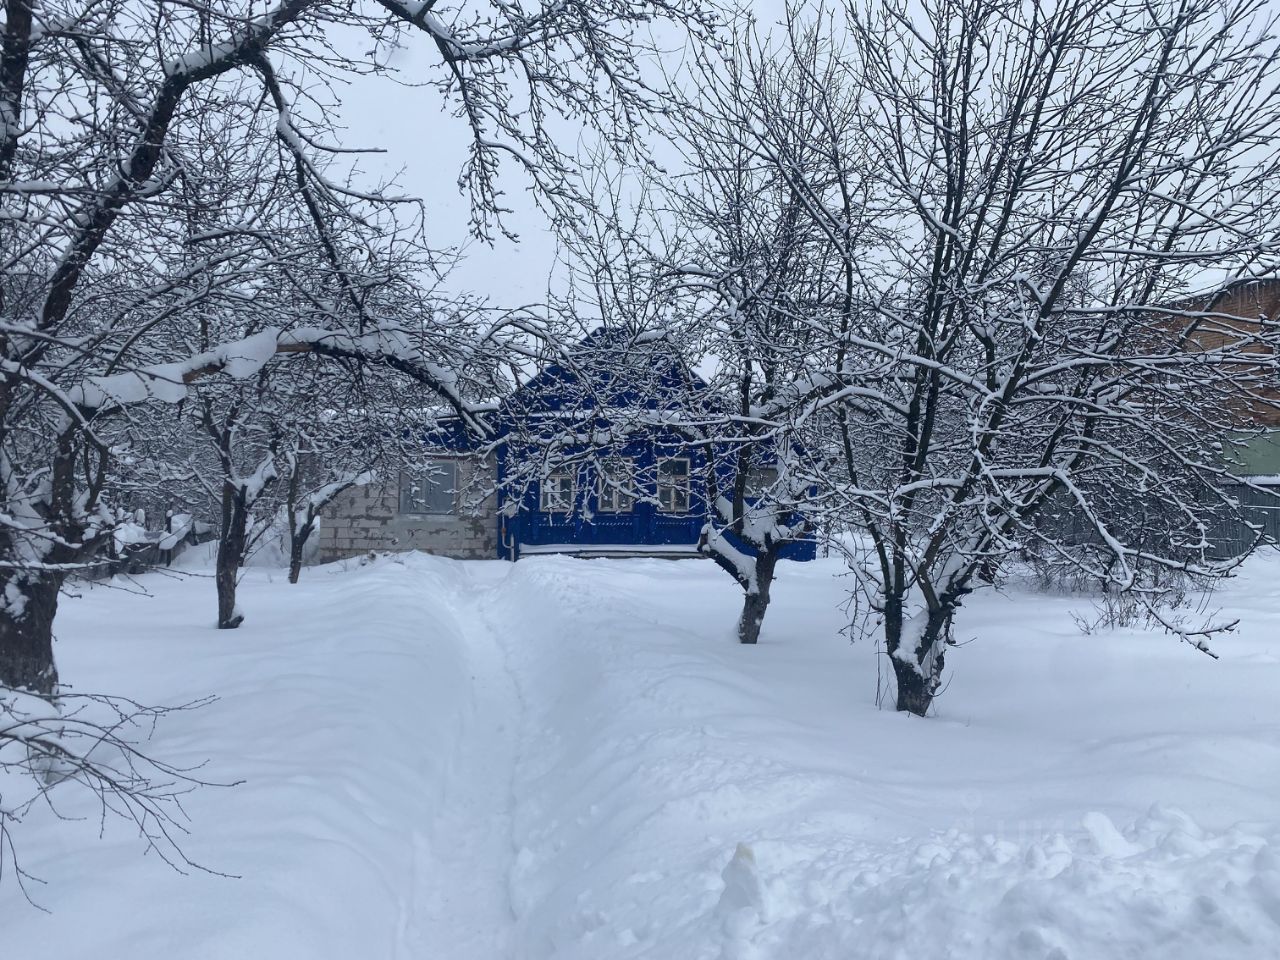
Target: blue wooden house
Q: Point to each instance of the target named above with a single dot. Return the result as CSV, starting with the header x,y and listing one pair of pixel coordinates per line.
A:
x,y
592,456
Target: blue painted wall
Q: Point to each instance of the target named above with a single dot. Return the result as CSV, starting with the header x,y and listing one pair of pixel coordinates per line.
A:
x,y
614,381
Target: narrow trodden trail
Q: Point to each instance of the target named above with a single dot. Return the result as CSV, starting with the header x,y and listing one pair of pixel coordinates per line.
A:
x,y
459,905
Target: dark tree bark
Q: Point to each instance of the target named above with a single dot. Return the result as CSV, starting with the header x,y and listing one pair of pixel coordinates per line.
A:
x,y
756,602
918,660
231,547
239,496
302,522
297,543
917,674
26,633
29,597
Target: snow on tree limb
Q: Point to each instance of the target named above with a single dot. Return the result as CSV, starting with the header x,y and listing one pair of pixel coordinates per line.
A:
x,y
245,358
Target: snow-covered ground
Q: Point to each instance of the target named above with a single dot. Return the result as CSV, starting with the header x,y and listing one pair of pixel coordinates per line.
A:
x,y
572,759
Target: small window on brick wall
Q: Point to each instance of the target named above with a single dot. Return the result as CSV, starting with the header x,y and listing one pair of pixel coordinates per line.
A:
x,y
430,488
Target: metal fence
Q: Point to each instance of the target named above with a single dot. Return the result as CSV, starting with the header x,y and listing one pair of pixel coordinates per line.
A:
x,y
1230,532
1233,536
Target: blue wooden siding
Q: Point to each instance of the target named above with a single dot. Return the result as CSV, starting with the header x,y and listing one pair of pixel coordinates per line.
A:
x,y
588,526
617,383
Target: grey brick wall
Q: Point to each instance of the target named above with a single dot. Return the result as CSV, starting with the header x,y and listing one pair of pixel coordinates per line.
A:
x,y
368,518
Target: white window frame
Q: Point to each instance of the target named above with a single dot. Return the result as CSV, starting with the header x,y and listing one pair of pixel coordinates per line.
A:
x,y
431,470
616,474
550,499
761,480
664,486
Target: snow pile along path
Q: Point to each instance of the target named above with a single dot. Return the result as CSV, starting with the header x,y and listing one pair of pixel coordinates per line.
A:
x,y
372,720
572,760
682,797
1164,887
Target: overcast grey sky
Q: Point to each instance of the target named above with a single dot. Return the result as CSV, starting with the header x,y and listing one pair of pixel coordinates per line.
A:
x,y
426,146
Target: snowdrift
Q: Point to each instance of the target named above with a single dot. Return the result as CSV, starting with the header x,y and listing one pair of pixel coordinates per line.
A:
x,y
571,759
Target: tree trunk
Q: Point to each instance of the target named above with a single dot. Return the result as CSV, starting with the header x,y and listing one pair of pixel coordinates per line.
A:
x,y
298,543
231,545
228,617
757,600
915,691
918,671
26,631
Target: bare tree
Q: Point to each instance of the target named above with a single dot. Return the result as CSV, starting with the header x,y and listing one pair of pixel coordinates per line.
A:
x,y
767,189
320,459
242,486
1051,184
90,745
952,254
171,163
736,261
102,246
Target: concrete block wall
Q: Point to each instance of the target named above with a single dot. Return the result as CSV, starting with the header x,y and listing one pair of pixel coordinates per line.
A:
x,y
368,518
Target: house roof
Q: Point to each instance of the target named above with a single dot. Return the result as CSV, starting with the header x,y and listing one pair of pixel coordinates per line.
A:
x,y
1234,311
610,368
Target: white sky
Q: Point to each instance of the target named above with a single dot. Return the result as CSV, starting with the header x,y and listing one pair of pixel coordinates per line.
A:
x,y
426,147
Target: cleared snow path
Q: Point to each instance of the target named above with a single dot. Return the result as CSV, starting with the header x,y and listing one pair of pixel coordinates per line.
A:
x,y
460,905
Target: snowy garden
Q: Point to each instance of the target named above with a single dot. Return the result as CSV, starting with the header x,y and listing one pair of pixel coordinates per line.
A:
x,y
666,479
535,760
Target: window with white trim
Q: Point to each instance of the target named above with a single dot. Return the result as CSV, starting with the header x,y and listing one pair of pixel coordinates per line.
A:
x,y
614,495
556,493
673,485
760,481
431,488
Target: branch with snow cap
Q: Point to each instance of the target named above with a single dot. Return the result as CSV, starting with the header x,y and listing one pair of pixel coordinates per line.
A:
x,y
245,358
